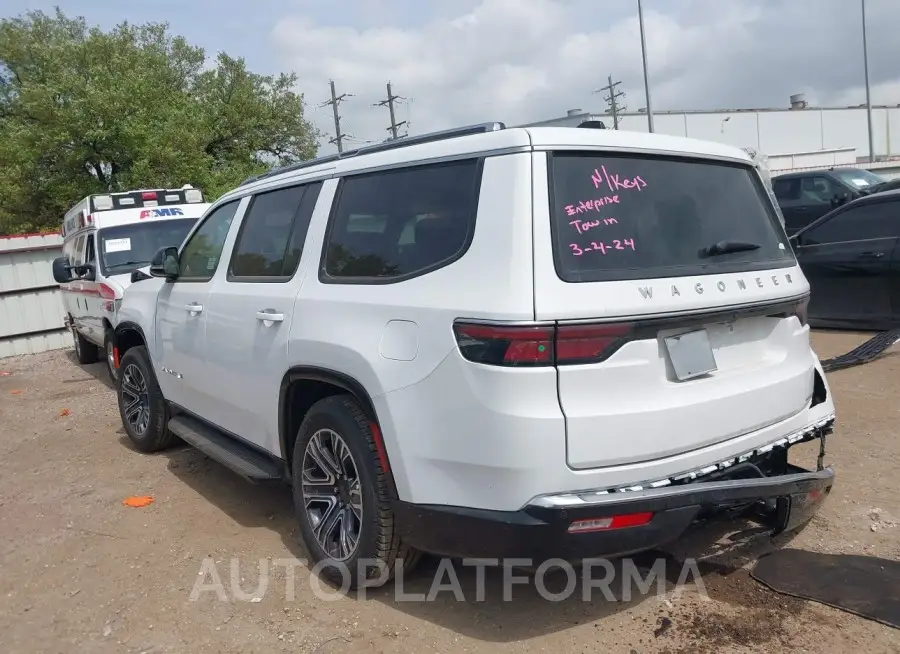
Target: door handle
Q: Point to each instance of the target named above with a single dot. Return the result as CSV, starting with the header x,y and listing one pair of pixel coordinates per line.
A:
x,y
267,315
194,308
871,255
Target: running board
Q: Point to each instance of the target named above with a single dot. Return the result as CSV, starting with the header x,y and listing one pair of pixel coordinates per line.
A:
x,y
249,463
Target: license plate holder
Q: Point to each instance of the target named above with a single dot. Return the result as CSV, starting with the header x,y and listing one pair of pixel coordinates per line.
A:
x,y
691,354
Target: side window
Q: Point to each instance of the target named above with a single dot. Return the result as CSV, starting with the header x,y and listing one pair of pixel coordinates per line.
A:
x,y
78,254
868,221
200,255
786,190
69,250
90,254
272,234
819,189
393,224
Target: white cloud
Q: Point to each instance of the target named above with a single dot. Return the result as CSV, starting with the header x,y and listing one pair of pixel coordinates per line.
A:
x,y
885,93
518,61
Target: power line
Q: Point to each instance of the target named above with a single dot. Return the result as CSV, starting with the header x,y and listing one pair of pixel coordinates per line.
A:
x,y
611,99
339,136
389,103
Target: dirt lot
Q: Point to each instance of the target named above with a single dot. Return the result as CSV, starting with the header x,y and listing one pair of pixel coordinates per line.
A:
x,y
83,573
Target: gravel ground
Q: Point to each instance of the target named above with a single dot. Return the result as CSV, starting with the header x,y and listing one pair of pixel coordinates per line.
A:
x,y
81,572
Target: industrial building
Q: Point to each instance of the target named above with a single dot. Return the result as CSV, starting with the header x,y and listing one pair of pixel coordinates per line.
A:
x,y
830,135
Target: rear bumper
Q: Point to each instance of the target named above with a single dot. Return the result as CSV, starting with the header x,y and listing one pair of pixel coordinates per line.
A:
x,y
539,531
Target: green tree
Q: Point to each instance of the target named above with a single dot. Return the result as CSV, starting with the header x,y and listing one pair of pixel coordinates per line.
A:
x,y
85,111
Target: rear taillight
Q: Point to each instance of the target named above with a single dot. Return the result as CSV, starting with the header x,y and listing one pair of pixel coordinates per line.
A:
x,y
510,345
589,343
517,345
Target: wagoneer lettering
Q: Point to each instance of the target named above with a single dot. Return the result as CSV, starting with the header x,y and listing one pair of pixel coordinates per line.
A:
x,y
721,285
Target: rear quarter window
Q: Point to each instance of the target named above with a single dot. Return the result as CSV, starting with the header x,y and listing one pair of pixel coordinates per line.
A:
x,y
621,217
392,225
787,190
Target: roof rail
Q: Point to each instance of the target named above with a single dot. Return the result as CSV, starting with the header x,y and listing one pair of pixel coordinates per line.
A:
x,y
299,165
251,179
390,144
455,132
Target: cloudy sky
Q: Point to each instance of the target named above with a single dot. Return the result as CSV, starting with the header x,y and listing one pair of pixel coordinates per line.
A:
x,y
465,61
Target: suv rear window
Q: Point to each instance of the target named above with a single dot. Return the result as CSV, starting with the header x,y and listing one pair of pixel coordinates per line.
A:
x,y
618,217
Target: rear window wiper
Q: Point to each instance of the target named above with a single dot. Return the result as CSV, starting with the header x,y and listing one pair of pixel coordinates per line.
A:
x,y
727,247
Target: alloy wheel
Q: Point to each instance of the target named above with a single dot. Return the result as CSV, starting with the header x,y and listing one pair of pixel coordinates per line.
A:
x,y
331,494
135,399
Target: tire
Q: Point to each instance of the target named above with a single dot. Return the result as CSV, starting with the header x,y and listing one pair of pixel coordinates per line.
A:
x,y
85,351
136,382
377,544
108,346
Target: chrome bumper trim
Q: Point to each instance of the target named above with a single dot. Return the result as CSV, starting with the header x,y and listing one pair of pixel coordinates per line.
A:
x,y
601,496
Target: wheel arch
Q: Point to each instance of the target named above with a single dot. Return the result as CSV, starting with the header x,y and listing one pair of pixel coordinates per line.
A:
x,y
303,386
127,335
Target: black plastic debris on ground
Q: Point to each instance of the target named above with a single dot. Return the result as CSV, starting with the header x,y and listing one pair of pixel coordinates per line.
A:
x,y
866,586
864,353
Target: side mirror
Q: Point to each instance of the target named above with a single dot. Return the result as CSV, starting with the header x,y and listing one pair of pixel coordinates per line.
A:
x,y
62,271
165,263
839,199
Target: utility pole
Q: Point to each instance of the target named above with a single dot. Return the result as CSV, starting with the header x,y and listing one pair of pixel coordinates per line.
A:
x,y
646,72
390,105
612,100
868,90
339,136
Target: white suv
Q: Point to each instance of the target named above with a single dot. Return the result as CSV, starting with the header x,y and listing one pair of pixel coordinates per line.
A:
x,y
489,342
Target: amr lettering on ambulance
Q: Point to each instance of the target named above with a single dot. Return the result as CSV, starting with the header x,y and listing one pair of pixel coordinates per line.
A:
x,y
105,238
158,213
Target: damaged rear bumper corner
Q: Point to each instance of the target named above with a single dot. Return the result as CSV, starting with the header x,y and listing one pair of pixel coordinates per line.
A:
x,y
654,514
542,530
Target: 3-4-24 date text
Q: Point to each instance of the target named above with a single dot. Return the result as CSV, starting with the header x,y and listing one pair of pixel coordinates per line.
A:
x,y
602,248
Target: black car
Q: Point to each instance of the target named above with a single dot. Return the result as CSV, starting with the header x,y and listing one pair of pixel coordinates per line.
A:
x,y
805,196
889,185
851,258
